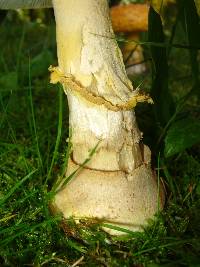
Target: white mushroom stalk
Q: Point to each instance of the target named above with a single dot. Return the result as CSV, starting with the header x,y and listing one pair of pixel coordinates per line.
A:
x,y
117,185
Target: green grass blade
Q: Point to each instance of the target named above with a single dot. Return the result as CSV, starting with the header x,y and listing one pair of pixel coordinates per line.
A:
x,y
172,244
59,133
33,119
120,229
26,229
14,188
67,179
65,164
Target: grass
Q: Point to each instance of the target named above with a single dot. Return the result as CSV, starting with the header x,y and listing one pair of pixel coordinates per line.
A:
x,y
34,152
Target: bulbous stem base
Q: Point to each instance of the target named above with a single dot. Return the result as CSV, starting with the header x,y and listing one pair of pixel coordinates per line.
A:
x,y
111,197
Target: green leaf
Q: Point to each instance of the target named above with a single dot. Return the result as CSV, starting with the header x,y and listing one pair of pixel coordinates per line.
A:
x,y
8,81
197,3
38,65
163,106
181,135
190,23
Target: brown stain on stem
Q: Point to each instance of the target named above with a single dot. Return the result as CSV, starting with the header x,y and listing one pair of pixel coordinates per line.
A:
x,y
71,84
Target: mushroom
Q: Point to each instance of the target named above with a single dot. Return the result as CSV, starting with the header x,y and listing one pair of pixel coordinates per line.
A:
x,y
131,19
117,184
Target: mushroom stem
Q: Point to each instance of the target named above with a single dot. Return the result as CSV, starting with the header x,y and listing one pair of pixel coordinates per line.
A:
x,y
131,19
117,185
133,55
